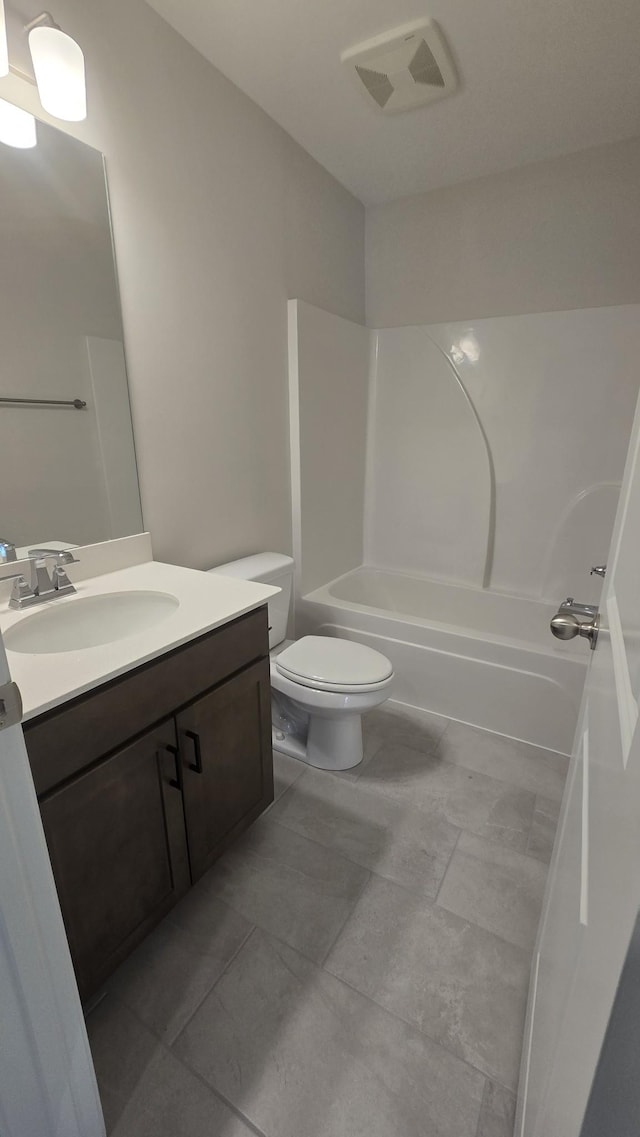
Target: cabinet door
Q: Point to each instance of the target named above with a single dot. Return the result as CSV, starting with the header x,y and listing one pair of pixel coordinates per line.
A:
x,y
227,763
117,843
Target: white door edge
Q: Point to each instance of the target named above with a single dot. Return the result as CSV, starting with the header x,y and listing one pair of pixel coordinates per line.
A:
x,y
47,1081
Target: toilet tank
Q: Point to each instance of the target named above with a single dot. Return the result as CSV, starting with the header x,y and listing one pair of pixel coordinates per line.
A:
x,y
268,568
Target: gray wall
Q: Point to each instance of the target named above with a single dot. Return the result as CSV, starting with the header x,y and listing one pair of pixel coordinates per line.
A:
x,y
219,217
330,391
546,237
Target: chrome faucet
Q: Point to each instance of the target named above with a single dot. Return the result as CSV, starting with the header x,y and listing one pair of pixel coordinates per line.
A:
x,y
7,552
42,586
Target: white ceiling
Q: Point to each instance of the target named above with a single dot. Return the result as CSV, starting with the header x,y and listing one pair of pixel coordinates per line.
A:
x,y
539,78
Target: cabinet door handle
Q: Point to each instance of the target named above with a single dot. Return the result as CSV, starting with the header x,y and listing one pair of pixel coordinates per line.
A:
x,y
176,782
195,738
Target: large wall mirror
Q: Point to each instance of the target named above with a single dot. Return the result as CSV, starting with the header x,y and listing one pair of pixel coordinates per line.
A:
x,y
67,458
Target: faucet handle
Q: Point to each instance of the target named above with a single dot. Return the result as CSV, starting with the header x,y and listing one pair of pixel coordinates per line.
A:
x,y
61,582
598,570
21,591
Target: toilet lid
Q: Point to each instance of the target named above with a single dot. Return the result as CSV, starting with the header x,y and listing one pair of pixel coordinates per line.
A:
x,y
331,662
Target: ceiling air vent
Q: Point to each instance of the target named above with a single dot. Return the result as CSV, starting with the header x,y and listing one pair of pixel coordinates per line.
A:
x,y
403,68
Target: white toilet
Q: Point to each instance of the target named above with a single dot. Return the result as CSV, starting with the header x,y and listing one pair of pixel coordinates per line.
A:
x,y
321,686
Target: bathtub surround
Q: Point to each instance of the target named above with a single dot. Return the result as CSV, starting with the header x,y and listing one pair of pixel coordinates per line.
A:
x,y
545,237
494,451
494,447
219,217
431,499
302,918
522,497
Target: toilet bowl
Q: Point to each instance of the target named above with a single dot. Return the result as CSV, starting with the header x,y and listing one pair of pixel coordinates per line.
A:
x,y
333,682
321,685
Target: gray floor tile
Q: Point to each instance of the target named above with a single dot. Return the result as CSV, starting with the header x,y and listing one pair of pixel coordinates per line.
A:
x,y
145,1090
290,886
286,771
540,771
497,1117
496,888
466,798
168,976
548,805
170,1101
461,985
395,840
301,1054
122,1050
402,725
542,836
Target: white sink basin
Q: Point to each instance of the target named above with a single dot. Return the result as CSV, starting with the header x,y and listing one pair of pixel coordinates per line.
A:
x,y
89,621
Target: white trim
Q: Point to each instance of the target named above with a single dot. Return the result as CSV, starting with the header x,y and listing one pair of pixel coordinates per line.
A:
x,y
294,443
584,844
369,481
47,1082
623,504
533,993
627,705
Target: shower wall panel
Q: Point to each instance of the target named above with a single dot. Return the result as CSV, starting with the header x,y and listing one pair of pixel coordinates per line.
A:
x,y
497,447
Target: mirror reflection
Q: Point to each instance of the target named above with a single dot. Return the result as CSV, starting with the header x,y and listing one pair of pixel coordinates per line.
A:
x,y
67,459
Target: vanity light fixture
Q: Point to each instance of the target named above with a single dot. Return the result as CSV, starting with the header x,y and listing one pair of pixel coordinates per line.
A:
x,y
17,127
4,45
58,65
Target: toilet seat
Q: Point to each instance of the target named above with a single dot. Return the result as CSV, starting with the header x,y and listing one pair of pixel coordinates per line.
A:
x,y
328,664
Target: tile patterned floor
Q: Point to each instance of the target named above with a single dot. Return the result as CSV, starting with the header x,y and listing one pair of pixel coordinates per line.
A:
x,y
357,964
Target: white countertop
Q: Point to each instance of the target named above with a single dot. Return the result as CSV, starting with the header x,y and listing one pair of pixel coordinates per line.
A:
x,y
206,601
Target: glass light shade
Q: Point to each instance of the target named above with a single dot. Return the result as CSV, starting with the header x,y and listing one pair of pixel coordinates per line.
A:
x,y
58,64
17,127
4,47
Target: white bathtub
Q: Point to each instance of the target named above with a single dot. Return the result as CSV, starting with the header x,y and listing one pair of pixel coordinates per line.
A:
x,y
480,657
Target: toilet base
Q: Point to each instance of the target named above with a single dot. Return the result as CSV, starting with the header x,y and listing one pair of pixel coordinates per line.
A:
x,y
331,743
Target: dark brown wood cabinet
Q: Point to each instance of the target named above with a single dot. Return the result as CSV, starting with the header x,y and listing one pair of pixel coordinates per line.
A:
x,y
223,766
144,782
117,842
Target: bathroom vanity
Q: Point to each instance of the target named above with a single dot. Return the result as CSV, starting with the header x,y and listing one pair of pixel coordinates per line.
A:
x,y
145,778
